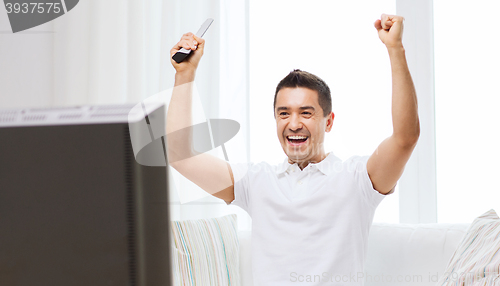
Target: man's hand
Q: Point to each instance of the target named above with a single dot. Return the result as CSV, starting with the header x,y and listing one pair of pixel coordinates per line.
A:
x,y
189,41
387,163
208,172
390,30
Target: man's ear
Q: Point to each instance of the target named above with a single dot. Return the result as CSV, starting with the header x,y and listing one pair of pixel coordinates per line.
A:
x,y
329,122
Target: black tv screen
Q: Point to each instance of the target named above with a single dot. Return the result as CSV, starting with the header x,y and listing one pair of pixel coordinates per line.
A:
x,y
75,206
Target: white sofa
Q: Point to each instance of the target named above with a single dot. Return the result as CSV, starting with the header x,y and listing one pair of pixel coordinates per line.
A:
x,y
398,254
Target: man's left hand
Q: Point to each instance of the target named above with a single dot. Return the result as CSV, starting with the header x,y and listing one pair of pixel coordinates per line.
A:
x,y
390,30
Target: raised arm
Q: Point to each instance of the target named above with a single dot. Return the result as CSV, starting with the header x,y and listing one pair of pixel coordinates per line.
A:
x,y
385,166
208,172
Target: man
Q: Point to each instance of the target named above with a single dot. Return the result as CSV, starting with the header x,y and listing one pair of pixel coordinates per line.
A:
x,y
310,215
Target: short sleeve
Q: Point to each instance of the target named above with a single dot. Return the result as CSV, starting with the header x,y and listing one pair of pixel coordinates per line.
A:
x,y
357,164
241,185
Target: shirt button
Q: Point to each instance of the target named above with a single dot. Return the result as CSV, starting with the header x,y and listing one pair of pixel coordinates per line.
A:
x,y
300,182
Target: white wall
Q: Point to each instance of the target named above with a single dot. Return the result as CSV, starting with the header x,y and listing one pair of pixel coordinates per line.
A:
x,y
26,61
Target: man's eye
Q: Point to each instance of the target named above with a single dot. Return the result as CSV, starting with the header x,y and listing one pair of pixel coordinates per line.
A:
x,y
283,113
307,113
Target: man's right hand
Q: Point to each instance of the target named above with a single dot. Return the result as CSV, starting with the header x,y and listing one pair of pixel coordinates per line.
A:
x,y
208,172
189,41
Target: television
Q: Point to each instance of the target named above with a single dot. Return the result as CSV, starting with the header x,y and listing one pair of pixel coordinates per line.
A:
x,y
76,207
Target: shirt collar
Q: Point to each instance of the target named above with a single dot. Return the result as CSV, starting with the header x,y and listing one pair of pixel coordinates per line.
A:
x,y
325,166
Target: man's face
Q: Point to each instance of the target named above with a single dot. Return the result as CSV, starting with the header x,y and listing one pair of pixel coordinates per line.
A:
x,y
301,125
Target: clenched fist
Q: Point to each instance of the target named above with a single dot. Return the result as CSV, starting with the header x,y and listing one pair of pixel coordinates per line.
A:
x,y
189,41
390,30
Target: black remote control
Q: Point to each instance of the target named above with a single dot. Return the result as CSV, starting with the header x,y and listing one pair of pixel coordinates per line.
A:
x,y
183,53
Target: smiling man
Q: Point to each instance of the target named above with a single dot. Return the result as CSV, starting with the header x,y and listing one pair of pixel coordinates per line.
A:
x,y
303,112
311,214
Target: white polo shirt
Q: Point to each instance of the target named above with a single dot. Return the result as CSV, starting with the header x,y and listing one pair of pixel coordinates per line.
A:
x,y
310,226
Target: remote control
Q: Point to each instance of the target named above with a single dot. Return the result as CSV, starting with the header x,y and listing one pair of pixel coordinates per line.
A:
x,y
183,53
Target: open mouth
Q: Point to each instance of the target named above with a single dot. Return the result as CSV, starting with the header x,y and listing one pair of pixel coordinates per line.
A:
x,y
297,139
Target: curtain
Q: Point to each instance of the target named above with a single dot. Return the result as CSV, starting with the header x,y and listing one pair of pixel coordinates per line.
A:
x,y
115,51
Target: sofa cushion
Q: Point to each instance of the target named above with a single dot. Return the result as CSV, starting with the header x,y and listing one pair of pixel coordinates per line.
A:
x,y
410,254
245,238
476,260
206,252
395,251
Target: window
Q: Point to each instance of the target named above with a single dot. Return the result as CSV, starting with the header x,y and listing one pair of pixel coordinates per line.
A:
x,y
467,96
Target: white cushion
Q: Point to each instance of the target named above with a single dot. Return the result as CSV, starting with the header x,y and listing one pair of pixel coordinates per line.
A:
x,y
245,238
410,254
393,249
476,260
206,252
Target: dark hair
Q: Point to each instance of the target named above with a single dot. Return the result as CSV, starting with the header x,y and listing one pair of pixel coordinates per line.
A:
x,y
299,78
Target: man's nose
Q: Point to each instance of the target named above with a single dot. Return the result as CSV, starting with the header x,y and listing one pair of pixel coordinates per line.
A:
x,y
295,123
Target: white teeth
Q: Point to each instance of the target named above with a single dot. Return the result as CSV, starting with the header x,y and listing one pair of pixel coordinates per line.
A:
x,y
297,137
